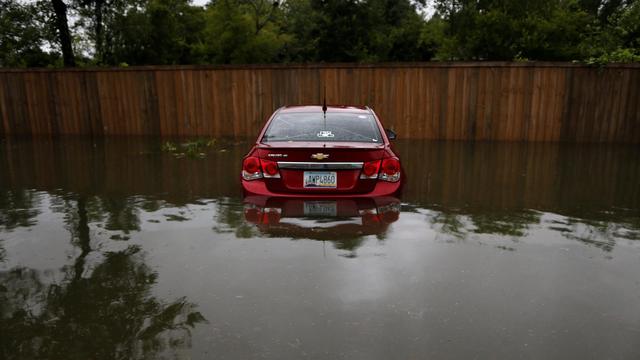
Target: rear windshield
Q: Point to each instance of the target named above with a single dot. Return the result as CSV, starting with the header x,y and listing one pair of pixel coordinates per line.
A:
x,y
314,127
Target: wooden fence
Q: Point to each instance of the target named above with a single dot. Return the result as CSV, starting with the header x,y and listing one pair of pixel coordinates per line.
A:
x,y
467,101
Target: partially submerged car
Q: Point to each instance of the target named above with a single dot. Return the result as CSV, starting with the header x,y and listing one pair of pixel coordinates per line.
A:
x,y
322,151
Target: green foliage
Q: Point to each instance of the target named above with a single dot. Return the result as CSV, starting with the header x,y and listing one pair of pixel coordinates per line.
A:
x,y
615,38
432,36
24,33
192,148
175,29
374,30
616,56
553,30
238,33
158,32
506,30
169,147
299,20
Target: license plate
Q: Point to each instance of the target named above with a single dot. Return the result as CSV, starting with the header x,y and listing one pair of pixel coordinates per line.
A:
x,y
320,179
320,208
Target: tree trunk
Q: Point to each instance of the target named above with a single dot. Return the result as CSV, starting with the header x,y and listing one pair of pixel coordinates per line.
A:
x,y
83,237
99,38
63,32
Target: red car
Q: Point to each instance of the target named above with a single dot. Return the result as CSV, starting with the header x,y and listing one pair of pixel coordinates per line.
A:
x,y
320,151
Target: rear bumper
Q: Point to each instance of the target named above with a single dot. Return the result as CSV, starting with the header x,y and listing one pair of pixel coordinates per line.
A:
x,y
382,188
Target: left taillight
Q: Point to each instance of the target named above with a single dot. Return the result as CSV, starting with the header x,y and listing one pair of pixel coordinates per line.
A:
x,y
370,170
254,168
251,168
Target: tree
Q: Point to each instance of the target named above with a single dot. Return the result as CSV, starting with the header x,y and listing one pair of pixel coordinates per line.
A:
x,y
506,30
539,29
263,12
236,32
141,32
372,30
396,32
299,21
614,35
176,31
64,35
23,34
342,30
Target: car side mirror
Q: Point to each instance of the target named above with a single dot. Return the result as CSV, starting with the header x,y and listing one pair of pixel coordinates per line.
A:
x,y
391,134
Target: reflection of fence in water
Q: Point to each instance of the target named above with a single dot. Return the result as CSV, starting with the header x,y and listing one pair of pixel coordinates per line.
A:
x,y
480,101
120,167
549,177
452,174
498,188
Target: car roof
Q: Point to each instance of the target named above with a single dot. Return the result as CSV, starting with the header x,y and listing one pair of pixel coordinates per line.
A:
x,y
330,108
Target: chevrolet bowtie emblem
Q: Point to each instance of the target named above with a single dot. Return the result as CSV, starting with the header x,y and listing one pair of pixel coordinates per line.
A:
x,y
320,156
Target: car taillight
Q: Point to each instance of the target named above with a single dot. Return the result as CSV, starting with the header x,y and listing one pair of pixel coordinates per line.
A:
x,y
390,170
370,170
270,169
255,168
251,168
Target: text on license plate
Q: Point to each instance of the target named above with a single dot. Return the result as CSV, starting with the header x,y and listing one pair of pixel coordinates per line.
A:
x,y
320,179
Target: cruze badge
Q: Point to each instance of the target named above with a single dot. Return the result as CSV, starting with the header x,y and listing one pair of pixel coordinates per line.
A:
x,y
277,155
325,133
320,156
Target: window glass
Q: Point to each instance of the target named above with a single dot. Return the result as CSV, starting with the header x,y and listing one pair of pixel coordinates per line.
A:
x,y
314,127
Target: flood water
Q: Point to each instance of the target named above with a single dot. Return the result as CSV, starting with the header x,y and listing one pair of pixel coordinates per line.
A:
x,y
114,249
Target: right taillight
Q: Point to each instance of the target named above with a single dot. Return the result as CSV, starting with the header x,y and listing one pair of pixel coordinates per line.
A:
x,y
390,170
251,168
370,170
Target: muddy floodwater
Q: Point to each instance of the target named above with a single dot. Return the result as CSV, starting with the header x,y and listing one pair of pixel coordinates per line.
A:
x,y
116,249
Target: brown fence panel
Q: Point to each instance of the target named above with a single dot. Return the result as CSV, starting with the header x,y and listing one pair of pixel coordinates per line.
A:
x,y
464,101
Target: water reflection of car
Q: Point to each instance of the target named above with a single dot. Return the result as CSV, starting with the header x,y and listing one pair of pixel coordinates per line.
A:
x,y
321,219
319,151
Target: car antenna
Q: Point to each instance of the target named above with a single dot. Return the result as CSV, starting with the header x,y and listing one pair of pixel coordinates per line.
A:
x,y
324,107
324,111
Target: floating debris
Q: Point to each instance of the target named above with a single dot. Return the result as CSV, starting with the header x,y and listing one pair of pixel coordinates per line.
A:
x,y
192,149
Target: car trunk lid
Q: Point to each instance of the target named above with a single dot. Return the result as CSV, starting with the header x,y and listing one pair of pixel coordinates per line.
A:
x,y
345,159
